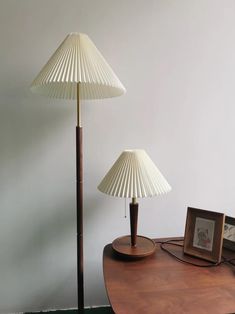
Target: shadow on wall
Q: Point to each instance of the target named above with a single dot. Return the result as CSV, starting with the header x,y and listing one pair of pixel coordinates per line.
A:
x,y
37,205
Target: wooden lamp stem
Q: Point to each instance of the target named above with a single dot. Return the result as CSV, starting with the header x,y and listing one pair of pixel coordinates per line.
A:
x,y
133,221
134,246
79,206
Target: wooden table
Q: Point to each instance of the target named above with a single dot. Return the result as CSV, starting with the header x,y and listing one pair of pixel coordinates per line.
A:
x,y
159,284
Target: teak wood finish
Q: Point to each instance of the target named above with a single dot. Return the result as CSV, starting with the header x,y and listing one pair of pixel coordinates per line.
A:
x,y
134,246
214,255
159,284
144,247
80,279
79,206
133,222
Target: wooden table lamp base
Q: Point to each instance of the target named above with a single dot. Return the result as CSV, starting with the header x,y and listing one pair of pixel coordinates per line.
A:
x,y
144,247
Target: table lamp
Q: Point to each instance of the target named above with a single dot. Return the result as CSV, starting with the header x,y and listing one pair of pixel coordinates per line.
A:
x,y
134,175
76,71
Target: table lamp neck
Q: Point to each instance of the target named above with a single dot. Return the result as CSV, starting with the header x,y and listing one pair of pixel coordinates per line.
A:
x,y
134,200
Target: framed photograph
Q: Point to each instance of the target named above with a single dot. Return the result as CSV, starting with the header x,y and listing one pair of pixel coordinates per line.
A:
x,y
203,236
229,233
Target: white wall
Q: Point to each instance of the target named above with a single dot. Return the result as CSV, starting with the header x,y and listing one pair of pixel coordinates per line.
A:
x,y
176,59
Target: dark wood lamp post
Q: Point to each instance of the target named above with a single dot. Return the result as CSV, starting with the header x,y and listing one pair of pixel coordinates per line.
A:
x,y
78,71
134,175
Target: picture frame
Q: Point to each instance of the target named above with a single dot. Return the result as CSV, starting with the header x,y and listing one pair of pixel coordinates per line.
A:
x,y
229,233
203,236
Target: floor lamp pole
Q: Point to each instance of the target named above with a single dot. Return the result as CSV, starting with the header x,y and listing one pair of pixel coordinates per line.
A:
x,y
79,205
77,58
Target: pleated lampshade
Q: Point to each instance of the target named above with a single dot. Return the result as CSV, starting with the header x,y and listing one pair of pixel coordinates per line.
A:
x,y
134,175
77,60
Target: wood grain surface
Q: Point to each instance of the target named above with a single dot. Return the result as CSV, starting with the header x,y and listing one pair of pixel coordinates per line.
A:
x,y
159,284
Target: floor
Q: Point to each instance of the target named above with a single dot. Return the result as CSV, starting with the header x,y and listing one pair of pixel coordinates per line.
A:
x,y
98,310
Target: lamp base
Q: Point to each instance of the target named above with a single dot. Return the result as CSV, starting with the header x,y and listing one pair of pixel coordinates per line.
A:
x,y
144,247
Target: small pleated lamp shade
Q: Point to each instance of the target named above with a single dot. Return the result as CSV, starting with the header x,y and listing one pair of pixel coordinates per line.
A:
x,y
134,175
77,60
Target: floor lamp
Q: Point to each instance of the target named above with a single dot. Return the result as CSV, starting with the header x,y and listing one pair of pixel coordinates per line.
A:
x,y
76,71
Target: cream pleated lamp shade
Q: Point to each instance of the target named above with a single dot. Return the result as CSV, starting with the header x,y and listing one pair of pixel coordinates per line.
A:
x,y
134,175
77,60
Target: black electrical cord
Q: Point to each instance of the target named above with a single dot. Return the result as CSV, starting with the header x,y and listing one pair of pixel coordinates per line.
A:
x,y
175,243
229,261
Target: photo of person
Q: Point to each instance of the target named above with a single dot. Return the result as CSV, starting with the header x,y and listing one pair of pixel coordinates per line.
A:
x,y
204,233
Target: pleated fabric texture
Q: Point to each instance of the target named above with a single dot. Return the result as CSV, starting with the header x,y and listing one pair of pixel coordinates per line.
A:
x,y
77,60
134,175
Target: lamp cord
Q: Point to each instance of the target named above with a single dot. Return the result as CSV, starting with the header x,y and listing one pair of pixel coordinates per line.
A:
x,y
175,243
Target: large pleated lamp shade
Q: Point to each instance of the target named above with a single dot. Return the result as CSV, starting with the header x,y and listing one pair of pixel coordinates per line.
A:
x,y
134,175
77,60
78,71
